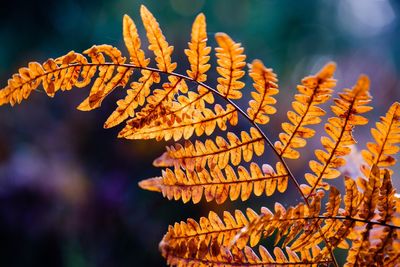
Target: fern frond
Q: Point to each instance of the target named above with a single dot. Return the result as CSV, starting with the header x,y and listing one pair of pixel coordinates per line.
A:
x,y
217,186
315,90
265,84
133,43
211,169
347,108
158,103
107,80
135,97
374,235
161,99
212,253
187,106
138,92
369,241
157,42
387,138
371,222
352,199
209,228
298,226
205,121
231,61
198,52
71,70
221,152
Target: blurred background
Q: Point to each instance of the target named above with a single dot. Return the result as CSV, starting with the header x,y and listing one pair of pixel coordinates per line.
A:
x,y
68,188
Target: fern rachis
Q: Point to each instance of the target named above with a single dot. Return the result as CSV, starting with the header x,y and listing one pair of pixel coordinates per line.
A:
x,y
306,234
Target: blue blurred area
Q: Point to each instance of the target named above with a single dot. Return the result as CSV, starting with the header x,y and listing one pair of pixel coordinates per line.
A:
x,y
68,188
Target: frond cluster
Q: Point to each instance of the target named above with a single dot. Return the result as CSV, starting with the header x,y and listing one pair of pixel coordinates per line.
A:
x,y
161,104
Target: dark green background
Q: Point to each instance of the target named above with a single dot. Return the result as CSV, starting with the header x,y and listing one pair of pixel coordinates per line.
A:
x,y
68,188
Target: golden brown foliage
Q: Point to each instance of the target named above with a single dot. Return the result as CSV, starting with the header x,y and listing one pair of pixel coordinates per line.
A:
x,y
364,219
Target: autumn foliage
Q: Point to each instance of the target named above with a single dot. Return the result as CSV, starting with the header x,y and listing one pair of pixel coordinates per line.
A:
x,y
364,219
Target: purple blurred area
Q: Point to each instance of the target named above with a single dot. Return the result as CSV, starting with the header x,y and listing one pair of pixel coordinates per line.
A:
x,y
68,188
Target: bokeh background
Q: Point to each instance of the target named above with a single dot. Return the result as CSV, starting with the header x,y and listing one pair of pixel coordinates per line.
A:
x,y
68,188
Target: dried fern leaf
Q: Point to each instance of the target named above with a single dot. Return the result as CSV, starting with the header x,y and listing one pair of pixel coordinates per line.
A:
x,y
198,52
268,222
387,138
203,122
158,103
302,227
371,242
231,61
358,254
212,253
387,249
68,71
161,99
187,106
216,184
347,110
368,222
265,84
107,80
322,230
135,97
352,200
219,153
133,43
157,42
315,90
209,228
138,92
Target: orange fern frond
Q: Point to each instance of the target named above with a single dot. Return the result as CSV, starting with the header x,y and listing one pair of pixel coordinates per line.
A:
x,y
265,84
107,80
160,100
71,70
158,103
209,228
138,92
347,108
201,254
205,121
315,90
133,43
157,42
387,138
288,224
219,153
370,242
210,240
187,106
198,50
135,97
374,235
366,217
191,185
352,199
231,61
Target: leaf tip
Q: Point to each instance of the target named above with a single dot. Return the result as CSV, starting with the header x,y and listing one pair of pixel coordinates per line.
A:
x,y
151,184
